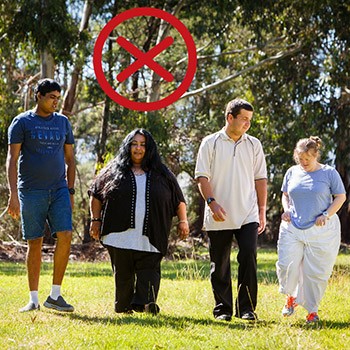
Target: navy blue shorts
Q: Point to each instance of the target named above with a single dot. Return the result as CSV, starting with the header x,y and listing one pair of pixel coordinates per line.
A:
x,y
39,206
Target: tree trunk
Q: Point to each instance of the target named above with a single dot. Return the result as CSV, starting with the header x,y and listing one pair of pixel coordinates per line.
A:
x,y
47,65
164,28
69,96
343,161
101,146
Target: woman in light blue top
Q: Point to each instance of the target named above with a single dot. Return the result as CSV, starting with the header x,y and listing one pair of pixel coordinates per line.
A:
x,y
309,236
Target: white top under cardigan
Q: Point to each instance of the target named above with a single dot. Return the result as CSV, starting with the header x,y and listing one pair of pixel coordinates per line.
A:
x,y
232,169
133,237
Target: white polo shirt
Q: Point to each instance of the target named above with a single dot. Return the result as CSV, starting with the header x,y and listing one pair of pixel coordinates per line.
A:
x,y
231,168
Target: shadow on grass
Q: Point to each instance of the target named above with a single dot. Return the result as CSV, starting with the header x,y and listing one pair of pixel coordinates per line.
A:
x,y
322,325
163,320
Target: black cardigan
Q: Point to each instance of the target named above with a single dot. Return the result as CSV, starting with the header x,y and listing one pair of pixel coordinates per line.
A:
x,y
163,196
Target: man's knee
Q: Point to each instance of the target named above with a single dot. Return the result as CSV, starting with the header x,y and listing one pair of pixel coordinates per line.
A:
x,y
35,243
64,236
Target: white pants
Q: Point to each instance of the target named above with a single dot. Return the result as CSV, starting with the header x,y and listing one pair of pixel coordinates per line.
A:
x,y
306,259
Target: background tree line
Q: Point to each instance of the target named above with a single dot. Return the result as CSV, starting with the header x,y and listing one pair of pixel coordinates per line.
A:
x,y
290,59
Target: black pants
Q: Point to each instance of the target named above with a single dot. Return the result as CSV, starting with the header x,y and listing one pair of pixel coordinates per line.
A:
x,y
136,276
220,243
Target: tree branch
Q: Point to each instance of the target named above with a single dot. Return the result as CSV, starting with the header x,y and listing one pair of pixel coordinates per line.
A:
x,y
237,74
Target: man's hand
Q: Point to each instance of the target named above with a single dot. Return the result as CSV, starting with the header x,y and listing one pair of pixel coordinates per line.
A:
x,y
13,207
217,211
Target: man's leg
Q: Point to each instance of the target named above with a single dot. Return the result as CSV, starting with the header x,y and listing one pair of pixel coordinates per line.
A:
x,y
61,256
60,222
220,272
60,261
34,206
247,239
33,262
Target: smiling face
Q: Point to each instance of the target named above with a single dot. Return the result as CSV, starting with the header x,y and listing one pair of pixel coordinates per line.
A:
x,y
236,127
138,149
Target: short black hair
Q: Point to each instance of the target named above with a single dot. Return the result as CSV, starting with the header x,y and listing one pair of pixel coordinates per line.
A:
x,y
235,106
46,85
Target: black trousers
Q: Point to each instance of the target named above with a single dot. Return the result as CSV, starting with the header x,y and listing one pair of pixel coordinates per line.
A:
x,y
136,276
220,243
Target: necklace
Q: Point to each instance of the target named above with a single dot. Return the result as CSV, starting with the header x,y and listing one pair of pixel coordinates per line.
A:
x,y
138,172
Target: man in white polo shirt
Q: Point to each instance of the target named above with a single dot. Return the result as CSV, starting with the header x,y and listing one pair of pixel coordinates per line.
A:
x,y
232,178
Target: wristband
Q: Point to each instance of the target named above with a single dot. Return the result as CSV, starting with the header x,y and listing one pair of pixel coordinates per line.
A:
x,y
96,219
71,190
210,199
325,213
182,221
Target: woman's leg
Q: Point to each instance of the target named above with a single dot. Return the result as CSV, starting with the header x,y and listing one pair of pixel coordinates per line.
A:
x,y
124,277
320,255
290,258
147,269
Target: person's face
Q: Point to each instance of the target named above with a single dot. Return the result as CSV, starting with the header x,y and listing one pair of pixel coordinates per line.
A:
x,y
138,148
307,160
48,103
241,124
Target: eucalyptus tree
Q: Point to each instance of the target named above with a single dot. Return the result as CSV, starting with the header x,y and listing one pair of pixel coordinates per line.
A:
x,y
306,93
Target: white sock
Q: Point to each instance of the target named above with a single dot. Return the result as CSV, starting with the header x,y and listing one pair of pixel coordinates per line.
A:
x,y
34,297
55,291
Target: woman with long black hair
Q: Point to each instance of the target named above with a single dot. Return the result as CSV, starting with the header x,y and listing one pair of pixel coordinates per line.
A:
x,y
132,203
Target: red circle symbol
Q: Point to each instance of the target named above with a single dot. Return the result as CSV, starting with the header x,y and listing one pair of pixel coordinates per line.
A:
x,y
145,58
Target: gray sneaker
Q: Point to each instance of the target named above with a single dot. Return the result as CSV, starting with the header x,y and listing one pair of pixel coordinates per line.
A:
x,y
59,304
29,307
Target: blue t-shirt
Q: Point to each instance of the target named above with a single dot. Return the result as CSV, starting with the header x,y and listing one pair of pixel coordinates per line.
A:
x,y
310,193
41,161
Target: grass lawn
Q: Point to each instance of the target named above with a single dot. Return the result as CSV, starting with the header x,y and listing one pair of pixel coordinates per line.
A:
x,y
185,321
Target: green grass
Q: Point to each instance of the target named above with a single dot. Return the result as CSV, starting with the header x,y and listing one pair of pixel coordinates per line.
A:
x,y
185,321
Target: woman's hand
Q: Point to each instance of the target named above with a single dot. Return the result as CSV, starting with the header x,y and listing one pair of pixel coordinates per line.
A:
x,y
286,216
95,229
183,229
321,220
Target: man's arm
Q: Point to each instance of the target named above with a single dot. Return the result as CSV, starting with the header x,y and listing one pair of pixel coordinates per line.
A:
x,y
205,189
70,161
13,207
261,191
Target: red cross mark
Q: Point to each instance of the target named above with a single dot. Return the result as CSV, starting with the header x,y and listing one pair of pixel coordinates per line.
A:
x,y
145,59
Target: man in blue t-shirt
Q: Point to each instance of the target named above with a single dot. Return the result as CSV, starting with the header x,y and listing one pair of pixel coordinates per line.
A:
x,y
42,187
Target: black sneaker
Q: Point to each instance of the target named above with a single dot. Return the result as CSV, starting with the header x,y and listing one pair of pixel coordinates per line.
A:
x,y
29,307
223,317
249,316
59,304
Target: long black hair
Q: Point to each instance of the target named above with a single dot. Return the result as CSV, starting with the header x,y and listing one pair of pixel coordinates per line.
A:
x,y
116,169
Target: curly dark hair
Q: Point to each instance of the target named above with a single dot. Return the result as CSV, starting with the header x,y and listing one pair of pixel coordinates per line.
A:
x,y
44,86
116,169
